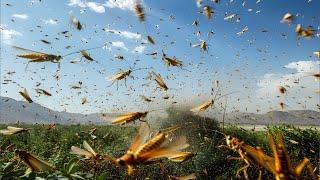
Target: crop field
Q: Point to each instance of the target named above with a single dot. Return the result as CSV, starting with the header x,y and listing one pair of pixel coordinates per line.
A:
x,y
209,160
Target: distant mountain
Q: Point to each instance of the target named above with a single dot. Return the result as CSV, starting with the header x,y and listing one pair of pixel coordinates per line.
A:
x,y
12,111
294,117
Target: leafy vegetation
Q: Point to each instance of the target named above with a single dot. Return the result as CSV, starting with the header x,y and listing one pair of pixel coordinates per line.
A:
x,y
210,160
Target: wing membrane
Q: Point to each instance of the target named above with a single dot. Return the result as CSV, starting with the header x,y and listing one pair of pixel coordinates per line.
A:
x,y
28,50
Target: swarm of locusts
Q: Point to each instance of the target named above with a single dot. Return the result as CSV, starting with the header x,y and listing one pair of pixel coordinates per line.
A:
x,y
165,144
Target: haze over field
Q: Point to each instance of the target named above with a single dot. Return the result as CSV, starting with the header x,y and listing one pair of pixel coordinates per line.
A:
x,y
13,111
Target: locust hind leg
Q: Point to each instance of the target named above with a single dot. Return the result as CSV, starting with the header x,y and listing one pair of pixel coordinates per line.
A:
x,y
244,169
305,163
142,120
260,175
25,69
130,170
111,83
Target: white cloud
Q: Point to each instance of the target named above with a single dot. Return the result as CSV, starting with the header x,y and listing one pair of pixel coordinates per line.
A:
x,y
94,6
8,34
126,34
50,21
139,49
304,66
119,44
300,85
77,3
122,4
20,16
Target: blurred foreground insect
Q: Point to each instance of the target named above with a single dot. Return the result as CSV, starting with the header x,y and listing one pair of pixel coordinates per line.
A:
x,y
25,95
250,155
307,32
317,54
281,166
33,162
139,11
13,130
287,18
144,151
89,153
207,10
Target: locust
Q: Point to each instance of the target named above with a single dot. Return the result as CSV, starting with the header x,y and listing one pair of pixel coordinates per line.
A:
x,y
209,103
281,166
250,155
139,11
33,162
86,55
42,91
35,56
13,130
317,54
145,150
287,18
159,80
203,45
76,23
131,117
171,61
88,153
122,74
207,10
145,98
282,89
304,32
150,40
26,95
38,57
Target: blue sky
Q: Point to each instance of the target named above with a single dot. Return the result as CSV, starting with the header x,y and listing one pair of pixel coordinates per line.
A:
x,y
254,63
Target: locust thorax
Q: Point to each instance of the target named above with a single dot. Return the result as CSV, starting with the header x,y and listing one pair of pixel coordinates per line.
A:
x,y
126,159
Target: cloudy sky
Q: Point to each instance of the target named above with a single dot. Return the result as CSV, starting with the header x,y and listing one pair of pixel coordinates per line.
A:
x,y
253,64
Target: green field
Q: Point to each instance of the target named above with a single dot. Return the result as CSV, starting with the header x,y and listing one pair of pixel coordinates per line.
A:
x,y
210,162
